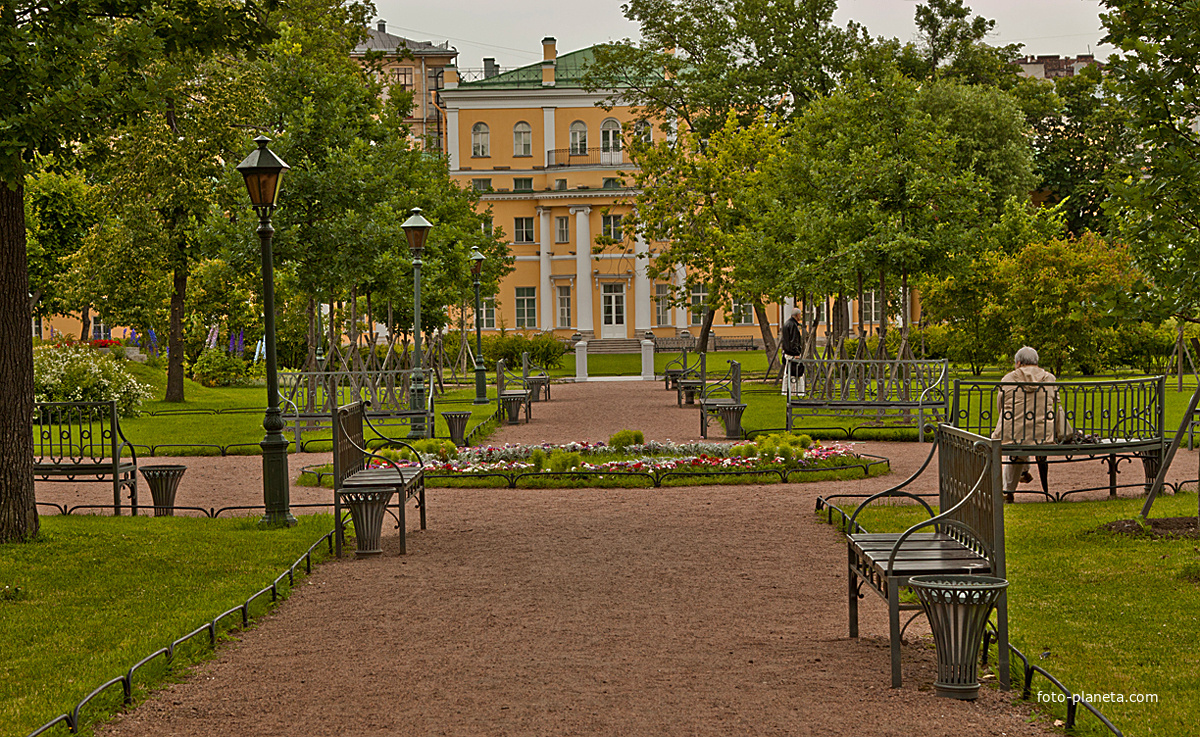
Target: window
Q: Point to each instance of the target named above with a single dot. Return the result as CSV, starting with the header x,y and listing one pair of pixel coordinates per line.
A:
x,y
610,227
523,184
610,136
481,185
560,184
578,138
436,78
562,230
522,139
740,314
644,130
699,295
522,230
403,77
611,183
487,228
816,313
488,313
870,309
37,326
564,305
100,331
662,305
526,307
480,140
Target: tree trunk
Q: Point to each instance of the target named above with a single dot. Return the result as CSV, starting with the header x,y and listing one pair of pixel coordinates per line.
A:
x,y
705,330
764,327
85,319
18,511
175,345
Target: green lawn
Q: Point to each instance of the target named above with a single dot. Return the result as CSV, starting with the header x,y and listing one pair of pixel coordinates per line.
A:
x,y
1117,614
165,423
97,594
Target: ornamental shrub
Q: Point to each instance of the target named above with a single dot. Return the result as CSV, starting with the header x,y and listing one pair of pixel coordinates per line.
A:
x,y
624,438
560,462
75,373
215,367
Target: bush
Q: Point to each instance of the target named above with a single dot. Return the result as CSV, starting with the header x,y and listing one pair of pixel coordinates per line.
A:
x,y
625,438
544,349
215,367
75,373
117,351
561,461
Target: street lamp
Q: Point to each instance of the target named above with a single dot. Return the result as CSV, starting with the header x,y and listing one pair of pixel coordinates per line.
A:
x,y
416,230
480,378
263,171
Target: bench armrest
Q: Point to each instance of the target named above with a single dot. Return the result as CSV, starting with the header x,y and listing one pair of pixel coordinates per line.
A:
x,y
896,490
124,444
397,441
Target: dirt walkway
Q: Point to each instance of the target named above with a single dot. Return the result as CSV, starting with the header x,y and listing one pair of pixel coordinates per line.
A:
x,y
697,611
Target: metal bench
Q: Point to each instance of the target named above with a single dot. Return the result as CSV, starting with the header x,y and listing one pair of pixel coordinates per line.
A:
x,y
355,467
691,382
966,537
678,368
535,377
312,397
723,398
677,343
512,393
82,441
878,393
735,343
1114,421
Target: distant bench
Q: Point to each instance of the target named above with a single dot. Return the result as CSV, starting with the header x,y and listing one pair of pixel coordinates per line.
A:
x,y
1112,421
82,441
879,393
735,343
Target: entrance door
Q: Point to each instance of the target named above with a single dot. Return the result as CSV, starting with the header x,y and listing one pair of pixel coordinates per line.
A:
x,y
612,324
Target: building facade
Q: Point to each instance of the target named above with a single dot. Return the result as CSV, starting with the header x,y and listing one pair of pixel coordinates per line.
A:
x,y
417,67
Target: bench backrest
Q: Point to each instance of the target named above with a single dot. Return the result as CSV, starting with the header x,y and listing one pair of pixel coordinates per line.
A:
x,y
66,433
969,468
531,369
730,384
850,380
348,457
322,392
1116,410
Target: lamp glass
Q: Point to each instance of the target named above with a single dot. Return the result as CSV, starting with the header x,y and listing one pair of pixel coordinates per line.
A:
x,y
416,230
476,261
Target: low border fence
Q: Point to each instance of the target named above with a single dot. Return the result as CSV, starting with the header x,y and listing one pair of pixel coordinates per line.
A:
x,y
71,718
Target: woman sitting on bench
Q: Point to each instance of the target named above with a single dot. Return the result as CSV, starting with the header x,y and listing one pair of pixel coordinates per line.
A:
x,y
1027,413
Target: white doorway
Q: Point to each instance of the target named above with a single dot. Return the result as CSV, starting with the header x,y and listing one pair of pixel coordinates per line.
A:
x,y
612,308
610,143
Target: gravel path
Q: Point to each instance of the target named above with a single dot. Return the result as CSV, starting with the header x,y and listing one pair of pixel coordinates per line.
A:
x,y
709,610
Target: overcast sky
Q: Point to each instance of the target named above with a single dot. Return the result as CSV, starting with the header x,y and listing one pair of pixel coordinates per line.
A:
x,y
512,31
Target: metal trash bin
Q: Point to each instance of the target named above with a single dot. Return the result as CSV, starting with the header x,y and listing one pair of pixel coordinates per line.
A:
x,y
163,482
958,609
513,405
367,509
731,417
457,422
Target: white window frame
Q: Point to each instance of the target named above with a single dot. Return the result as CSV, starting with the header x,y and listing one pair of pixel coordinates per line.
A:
x,y
521,233
742,314
488,307
610,227
564,305
579,132
526,307
562,229
644,130
699,293
817,312
870,308
612,127
517,184
662,305
481,144
522,139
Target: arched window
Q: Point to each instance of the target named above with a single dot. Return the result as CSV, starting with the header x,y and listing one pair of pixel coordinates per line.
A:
x,y
480,143
610,136
644,130
578,138
522,139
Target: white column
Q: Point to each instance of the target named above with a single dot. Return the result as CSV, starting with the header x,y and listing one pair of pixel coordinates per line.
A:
x,y
789,303
583,268
547,132
681,313
452,136
647,360
641,288
545,290
581,371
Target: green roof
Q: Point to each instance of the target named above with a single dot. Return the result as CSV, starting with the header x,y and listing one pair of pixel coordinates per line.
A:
x,y
568,72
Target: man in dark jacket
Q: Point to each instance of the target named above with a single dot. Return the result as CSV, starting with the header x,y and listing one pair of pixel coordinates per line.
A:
x,y
792,346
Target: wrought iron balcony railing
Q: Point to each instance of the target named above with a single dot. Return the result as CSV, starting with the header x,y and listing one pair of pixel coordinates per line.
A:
x,y
600,156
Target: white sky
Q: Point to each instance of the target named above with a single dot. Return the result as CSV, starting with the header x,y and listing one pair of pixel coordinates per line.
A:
x,y
512,31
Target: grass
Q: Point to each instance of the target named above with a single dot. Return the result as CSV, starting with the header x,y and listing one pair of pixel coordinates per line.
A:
x,y
1117,614
97,594
245,429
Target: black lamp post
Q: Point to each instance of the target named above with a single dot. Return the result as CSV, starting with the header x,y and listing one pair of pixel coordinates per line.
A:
x,y
416,230
480,377
263,171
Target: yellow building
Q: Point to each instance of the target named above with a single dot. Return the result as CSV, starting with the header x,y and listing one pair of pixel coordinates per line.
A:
x,y
548,161
416,67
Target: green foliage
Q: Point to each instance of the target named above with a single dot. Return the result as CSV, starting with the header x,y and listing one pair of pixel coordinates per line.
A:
x,y
215,367
544,349
442,449
76,373
58,214
538,458
624,438
1146,347
561,461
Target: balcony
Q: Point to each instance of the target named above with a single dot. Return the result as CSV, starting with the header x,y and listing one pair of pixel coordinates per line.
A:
x,y
600,156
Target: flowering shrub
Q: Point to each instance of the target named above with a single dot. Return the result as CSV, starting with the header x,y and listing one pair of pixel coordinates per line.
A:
x,y
218,368
75,373
104,343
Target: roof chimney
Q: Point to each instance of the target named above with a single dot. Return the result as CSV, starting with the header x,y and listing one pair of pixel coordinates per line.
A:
x,y
549,60
549,49
382,25
490,67
450,77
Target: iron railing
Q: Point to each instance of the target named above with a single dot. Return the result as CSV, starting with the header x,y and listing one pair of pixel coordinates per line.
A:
x,y
595,156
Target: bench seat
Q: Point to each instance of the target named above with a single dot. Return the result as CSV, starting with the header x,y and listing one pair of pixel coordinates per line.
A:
x,y
83,469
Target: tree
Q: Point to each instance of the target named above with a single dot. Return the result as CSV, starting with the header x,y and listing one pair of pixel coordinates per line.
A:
x,y
58,215
951,46
1157,203
67,69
